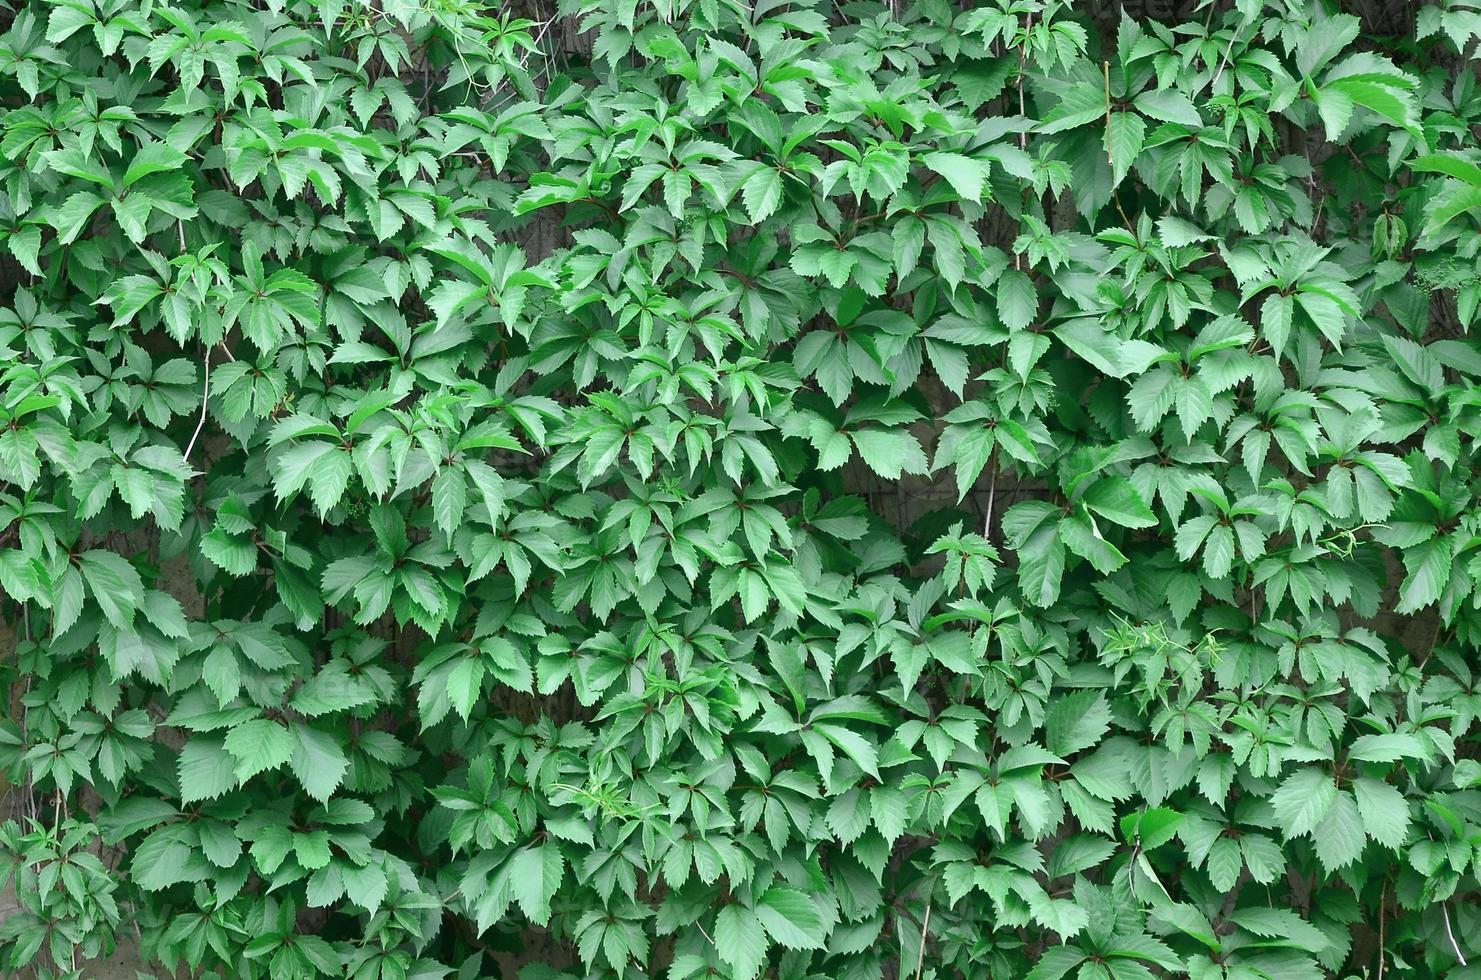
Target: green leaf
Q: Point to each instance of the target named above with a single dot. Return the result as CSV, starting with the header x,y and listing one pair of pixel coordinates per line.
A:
x,y
1383,94
258,746
535,874
25,244
1281,925
1383,809
1041,567
762,194
113,584
1417,363
1125,133
1076,722
1463,170
1114,498
449,499
452,296
740,941
1152,827
965,175
233,555
318,762
1388,748
166,858
1081,103
1176,232
298,464
1453,202
1302,800
1218,551
1056,962
890,452
1429,566
1018,301
791,918
836,264
70,218
206,770
1339,837
152,158
465,685
1224,863
1169,105
855,746
616,600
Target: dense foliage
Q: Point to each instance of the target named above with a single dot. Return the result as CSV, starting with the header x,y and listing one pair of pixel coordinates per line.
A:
x,y
687,489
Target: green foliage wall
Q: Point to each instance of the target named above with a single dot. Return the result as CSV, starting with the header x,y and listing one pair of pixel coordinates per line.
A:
x,y
806,490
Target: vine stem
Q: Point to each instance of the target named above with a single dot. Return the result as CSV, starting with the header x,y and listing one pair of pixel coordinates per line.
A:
x,y
1382,901
920,955
30,786
1105,67
1022,111
992,493
1228,49
1450,935
205,396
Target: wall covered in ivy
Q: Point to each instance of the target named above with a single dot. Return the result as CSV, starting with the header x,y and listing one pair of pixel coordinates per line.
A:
x,y
815,491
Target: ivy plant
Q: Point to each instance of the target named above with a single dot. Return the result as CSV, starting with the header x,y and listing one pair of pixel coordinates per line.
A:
x,y
688,488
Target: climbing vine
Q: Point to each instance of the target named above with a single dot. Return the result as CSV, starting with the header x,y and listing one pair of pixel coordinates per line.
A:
x,y
696,489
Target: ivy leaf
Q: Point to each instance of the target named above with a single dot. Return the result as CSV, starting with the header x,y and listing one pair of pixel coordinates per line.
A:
x,y
790,918
1282,925
1339,836
258,746
965,175
762,194
1302,800
1383,809
1168,105
890,452
206,770
524,498
740,941
1018,301
152,158
1076,722
535,874
1125,133
318,763
166,858
1114,497
1386,94
114,585
1041,566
